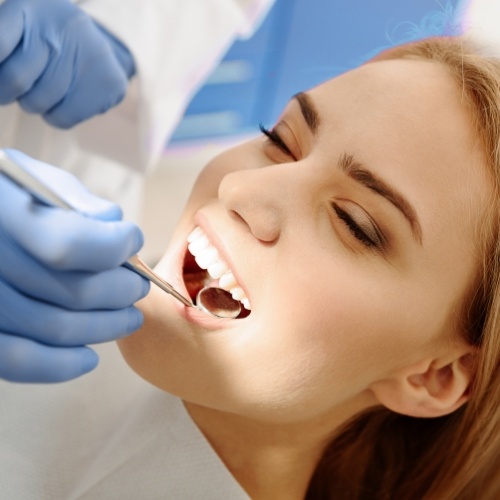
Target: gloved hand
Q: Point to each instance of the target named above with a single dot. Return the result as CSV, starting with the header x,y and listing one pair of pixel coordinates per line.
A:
x,y
61,284
57,62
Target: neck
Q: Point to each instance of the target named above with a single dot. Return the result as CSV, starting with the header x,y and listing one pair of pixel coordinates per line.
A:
x,y
270,460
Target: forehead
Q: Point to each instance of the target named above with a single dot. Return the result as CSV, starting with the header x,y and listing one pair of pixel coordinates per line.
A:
x,y
381,78
417,96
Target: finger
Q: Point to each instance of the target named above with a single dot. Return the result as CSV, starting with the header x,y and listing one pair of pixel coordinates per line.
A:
x,y
51,86
22,69
66,240
69,241
92,93
68,187
22,360
11,27
51,325
113,289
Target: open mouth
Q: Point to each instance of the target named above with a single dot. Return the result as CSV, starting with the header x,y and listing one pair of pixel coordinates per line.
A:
x,y
203,266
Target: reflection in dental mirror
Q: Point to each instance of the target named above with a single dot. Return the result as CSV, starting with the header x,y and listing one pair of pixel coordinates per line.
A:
x,y
217,302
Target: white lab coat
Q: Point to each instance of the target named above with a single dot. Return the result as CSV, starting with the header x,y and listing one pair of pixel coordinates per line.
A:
x,y
175,44
107,435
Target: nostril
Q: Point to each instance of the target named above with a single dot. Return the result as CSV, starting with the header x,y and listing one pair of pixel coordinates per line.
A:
x,y
237,216
262,223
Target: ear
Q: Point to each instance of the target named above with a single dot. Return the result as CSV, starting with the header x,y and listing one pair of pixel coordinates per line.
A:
x,y
432,387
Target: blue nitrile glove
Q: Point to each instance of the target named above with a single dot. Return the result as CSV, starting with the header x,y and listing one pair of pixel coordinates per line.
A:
x,y
59,63
61,284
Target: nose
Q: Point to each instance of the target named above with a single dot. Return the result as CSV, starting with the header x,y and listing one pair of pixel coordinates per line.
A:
x,y
256,197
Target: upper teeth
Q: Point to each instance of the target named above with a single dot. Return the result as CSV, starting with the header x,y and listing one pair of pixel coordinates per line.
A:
x,y
207,257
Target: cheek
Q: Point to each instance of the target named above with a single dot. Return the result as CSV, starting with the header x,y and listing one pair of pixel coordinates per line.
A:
x,y
298,359
207,183
317,349
244,156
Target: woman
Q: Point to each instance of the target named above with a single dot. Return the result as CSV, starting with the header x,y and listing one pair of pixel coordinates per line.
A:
x,y
363,230
361,233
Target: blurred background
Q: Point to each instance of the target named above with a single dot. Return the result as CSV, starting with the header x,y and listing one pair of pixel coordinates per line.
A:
x,y
298,45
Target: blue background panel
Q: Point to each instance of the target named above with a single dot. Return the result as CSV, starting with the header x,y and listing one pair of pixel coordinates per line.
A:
x,y
300,44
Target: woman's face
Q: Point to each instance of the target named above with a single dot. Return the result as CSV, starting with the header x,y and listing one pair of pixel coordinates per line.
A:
x,y
352,234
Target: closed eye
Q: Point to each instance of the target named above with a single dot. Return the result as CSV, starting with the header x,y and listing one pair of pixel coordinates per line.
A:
x,y
276,140
356,230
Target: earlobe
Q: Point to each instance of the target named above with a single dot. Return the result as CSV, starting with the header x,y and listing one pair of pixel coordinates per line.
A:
x,y
428,389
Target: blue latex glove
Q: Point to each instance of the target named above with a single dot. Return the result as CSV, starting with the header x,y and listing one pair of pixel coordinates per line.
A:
x,y
59,63
61,284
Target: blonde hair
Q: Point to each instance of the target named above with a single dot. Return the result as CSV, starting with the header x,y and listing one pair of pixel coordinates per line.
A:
x,y
382,455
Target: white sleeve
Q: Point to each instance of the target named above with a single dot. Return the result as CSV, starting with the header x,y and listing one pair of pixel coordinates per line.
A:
x,y
175,45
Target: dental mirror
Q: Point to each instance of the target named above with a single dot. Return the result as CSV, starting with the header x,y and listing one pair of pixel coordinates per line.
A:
x,y
211,300
218,302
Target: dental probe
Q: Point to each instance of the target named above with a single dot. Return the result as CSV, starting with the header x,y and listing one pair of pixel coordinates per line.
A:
x,y
212,300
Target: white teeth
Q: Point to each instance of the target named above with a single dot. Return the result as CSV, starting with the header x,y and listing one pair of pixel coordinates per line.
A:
x,y
237,293
199,244
217,270
207,257
195,233
227,281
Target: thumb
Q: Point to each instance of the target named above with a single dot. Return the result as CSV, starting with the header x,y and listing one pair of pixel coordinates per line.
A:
x,y
68,187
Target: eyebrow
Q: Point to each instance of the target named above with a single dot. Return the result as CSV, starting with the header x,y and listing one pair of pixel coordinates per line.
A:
x,y
309,112
361,174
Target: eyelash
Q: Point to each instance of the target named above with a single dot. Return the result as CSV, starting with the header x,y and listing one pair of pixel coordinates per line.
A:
x,y
356,231
354,228
275,139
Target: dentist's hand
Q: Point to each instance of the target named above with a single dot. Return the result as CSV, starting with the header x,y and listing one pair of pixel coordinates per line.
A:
x,y
61,284
57,62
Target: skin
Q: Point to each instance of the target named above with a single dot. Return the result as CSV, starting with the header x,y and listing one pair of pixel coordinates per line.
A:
x,y
336,326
